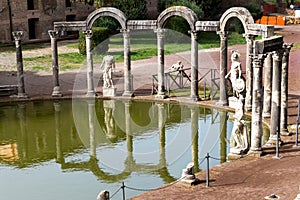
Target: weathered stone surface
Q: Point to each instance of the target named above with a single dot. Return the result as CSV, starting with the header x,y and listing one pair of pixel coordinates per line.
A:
x,y
141,24
207,26
70,26
109,92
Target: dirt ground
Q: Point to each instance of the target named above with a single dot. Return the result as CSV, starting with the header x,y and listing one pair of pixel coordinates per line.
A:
x,y
246,178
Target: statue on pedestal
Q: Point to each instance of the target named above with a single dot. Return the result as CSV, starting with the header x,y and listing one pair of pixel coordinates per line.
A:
x,y
188,175
239,135
108,66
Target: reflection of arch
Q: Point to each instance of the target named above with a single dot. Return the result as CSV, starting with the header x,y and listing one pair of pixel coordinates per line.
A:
x,y
109,12
181,11
239,12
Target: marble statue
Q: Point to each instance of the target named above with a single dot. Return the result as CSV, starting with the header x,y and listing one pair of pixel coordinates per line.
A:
x,y
239,135
108,66
188,175
176,67
238,84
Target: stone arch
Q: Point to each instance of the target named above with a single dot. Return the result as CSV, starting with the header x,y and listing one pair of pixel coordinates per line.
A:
x,y
182,11
239,12
109,12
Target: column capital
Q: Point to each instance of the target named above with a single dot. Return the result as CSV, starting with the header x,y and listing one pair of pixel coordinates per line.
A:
x,y
194,34
258,60
53,34
160,32
223,34
17,35
287,47
249,37
88,33
277,55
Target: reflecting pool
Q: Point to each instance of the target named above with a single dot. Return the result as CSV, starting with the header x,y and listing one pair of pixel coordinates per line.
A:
x,y
74,149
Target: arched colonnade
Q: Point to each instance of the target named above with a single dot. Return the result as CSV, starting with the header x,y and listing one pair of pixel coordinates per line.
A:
x,y
270,47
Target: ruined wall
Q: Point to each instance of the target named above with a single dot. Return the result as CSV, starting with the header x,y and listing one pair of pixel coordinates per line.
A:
x,y
37,19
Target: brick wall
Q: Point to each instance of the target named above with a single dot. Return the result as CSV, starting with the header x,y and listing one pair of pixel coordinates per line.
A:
x,y
36,21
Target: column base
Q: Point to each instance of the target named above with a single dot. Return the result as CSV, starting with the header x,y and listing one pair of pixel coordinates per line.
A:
x,y
248,108
284,132
195,98
91,94
128,94
22,96
272,141
56,92
256,152
222,103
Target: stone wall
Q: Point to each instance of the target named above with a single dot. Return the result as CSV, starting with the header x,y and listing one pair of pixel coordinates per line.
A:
x,y
38,19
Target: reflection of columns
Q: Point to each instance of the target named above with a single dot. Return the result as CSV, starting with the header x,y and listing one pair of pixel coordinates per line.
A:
x,y
89,60
55,68
267,85
59,151
223,136
129,136
91,111
256,125
194,67
248,100
223,69
128,87
23,144
276,87
195,137
161,64
162,135
284,89
21,85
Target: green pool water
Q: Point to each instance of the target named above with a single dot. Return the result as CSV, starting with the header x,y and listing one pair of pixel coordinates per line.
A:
x,y
75,149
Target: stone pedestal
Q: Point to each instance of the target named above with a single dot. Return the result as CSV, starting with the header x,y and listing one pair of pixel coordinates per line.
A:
x,y
109,92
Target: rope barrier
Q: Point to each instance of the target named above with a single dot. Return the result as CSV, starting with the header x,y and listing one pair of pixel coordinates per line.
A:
x,y
118,190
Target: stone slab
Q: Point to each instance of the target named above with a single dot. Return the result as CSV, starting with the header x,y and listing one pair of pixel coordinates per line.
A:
x,y
109,92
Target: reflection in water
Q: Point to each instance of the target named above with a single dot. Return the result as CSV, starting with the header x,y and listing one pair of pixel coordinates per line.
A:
x,y
114,140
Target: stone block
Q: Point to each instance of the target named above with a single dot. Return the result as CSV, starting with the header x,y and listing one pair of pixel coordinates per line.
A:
x,y
109,92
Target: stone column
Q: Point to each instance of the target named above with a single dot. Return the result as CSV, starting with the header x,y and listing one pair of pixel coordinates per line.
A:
x,y
223,69
267,85
20,74
284,89
195,137
194,66
276,97
248,100
55,68
89,60
161,64
91,112
256,123
128,88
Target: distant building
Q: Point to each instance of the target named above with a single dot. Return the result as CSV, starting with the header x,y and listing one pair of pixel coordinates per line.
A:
x,y
36,17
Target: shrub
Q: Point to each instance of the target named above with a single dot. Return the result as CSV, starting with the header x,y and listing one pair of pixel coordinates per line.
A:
x,y
100,35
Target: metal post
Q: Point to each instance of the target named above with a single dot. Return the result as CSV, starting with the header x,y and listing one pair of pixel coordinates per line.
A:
x,y
123,190
277,144
297,124
207,170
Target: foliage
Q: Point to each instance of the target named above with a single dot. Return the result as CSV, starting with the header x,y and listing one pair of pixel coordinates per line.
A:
x,y
100,34
133,9
210,8
178,23
255,10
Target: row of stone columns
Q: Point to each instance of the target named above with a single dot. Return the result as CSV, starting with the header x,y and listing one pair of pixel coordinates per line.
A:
x,y
274,100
